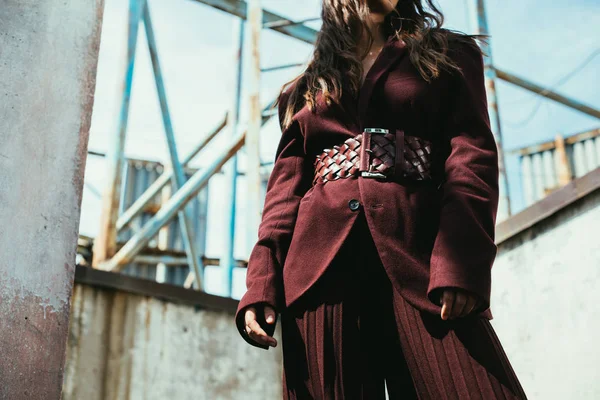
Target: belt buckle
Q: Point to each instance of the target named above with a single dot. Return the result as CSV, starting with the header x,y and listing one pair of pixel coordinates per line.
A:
x,y
367,174
376,130
370,131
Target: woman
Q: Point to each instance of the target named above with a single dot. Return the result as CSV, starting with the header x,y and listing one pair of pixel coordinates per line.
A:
x,y
377,236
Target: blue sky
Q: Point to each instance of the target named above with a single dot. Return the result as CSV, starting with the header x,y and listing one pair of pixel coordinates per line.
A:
x,y
541,41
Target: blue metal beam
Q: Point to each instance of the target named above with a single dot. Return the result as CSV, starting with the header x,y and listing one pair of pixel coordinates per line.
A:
x,y
179,199
179,177
230,169
105,244
494,114
270,20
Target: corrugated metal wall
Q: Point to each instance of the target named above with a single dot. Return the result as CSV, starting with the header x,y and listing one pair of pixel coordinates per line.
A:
x,y
138,176
548,166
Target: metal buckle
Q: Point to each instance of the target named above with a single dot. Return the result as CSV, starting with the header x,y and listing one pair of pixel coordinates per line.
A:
x,y
367,174
376,130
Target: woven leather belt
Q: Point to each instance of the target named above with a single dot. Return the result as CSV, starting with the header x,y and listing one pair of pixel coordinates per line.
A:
x,y
375,154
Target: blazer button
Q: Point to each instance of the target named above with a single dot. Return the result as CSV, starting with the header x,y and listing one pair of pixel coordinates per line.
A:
x,y
354,204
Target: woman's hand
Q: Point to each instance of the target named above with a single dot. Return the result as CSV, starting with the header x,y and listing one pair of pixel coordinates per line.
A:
x,y
457,303
254,329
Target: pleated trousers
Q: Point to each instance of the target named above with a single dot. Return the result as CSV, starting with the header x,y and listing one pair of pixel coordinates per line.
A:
x,y
351,335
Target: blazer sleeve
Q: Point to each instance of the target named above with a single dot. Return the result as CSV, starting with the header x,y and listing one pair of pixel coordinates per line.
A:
x,y
289,180
464,249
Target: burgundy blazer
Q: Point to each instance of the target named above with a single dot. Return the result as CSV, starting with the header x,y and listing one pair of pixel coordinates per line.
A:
x,y
428,237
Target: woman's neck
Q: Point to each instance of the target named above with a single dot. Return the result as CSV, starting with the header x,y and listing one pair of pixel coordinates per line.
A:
x,y
375,23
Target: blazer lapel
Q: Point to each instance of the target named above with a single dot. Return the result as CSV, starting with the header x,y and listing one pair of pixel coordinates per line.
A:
x,y
390,53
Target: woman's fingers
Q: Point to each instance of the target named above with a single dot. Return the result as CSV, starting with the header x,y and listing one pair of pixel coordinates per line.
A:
x,y
460,299
469,306
447,303
249,315
269,314
258,334
457,303
254,329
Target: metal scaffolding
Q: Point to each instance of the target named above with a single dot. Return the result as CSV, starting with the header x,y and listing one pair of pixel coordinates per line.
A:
x,y
252,20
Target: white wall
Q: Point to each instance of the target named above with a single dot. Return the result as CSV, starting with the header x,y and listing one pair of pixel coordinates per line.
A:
x,y
545,302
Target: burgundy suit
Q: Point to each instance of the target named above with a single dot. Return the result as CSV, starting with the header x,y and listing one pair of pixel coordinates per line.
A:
x,y
428,234
427,238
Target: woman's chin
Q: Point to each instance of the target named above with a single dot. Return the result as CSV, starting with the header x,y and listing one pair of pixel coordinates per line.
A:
x,y
383,7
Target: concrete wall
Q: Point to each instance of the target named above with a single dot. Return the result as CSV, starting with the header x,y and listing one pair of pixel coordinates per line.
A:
x,y
545,301
128,346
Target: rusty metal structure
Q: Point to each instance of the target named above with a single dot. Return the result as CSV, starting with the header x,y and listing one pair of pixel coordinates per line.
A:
x,y
143,241
118,216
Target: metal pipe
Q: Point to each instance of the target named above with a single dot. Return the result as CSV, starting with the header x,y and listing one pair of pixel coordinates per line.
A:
x,y
537,89
187,228
253,177
287,22
494,114
167,261
174,261
230,169
164,235
240,9
185,194
106,241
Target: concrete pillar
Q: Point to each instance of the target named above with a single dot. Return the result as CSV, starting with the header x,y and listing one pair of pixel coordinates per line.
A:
x,y
48,58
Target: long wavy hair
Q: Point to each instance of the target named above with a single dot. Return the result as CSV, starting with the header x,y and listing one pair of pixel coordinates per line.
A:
x,y
336,63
